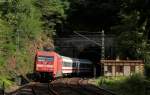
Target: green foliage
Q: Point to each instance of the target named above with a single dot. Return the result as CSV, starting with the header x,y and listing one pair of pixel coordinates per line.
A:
x,y
128,20
5,79
20,23
132,30
28,19
133,85
21,16
53,13
93,15
1,60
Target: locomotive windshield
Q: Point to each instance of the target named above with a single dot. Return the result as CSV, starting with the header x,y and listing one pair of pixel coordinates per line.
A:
x,y
45,58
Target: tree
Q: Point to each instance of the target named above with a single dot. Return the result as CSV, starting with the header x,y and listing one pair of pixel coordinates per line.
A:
x,y
93,15
27,25
53,13
21,27
133,30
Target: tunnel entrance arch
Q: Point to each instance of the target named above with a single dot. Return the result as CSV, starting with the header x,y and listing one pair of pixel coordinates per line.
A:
x,y
79,47
93,53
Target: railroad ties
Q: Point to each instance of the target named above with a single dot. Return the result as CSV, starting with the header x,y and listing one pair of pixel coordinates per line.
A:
x,y
63,86
35,88
78,86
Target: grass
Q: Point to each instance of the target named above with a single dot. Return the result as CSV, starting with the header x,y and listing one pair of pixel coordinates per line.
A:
x,y
133,85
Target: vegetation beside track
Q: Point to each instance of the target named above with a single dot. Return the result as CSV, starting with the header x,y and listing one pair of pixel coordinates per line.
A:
x,y
25,25
133,85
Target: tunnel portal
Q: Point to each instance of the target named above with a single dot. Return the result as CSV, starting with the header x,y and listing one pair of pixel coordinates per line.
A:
x,y
78,47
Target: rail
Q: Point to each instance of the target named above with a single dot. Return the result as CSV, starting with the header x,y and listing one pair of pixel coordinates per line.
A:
x,y
99,89
21,87
33,90
75,85
107,92
51,90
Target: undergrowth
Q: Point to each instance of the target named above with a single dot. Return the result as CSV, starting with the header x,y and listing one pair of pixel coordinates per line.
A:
x,y
132,85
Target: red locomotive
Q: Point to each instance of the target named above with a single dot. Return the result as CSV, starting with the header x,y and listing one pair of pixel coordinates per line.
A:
x,y
49,64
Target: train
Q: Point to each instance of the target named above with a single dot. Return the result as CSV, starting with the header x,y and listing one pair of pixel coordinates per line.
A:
x,y
51,65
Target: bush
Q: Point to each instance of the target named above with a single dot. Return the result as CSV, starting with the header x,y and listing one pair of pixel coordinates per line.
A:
x,y
133,85
6,80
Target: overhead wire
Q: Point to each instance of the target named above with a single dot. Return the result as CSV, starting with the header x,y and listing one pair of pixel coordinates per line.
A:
x,y
87,38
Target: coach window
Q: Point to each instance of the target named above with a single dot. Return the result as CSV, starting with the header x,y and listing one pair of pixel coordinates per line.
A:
x,y
83,65
87,65
74,64
66,64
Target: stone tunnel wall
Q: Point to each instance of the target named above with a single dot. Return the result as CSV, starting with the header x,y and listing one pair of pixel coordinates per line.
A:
x,y
73,45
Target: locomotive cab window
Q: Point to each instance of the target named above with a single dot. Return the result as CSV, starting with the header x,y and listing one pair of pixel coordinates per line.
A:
x,y
49,59
40,58
45,58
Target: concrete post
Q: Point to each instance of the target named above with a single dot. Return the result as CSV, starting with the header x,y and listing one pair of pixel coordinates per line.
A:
x,y
102,49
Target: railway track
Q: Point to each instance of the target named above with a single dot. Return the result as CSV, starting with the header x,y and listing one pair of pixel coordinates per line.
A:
x,y
21,87
46,89
82,87
64,86
51,91
93,89
35,88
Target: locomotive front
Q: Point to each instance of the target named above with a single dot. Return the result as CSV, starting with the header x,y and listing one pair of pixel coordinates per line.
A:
x,y
44,62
